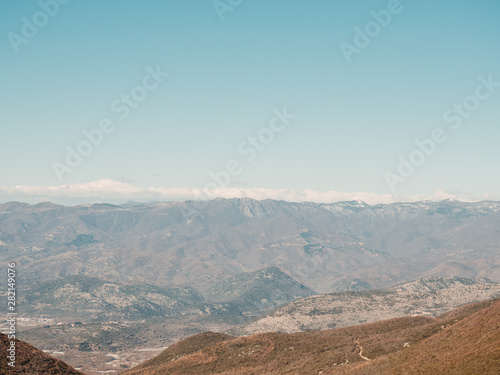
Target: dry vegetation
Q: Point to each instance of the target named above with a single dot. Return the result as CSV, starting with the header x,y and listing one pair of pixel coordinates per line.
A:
x,y
31,361
469,346
465,341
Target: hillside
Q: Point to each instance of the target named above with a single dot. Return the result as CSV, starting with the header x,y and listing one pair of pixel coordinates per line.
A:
x,y
429,297
32,361
470,346
94,299
466,344
91,299
327,247
259,290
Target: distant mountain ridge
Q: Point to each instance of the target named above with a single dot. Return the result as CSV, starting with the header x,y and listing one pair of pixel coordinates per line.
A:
x,y
326,247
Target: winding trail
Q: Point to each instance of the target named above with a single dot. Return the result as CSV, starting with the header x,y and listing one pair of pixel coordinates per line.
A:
x,y
361,350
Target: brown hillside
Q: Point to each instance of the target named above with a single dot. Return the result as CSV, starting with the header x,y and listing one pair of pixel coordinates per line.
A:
x,y
467,310
185,347
279,353
466,341
470,346
32,361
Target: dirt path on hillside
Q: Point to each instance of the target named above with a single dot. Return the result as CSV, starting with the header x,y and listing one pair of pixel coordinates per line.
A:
x,y
361,350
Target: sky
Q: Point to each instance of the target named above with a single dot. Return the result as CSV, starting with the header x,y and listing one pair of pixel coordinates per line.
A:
x,y
320,101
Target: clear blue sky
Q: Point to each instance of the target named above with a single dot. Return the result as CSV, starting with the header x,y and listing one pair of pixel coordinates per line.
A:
x,y
352,121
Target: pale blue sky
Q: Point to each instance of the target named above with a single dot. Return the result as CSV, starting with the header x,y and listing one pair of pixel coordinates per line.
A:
x,y
352,121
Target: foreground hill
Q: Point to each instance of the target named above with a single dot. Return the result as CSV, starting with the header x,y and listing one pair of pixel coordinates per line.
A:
x,y
31,361
463,342
470,346
430,297
327,247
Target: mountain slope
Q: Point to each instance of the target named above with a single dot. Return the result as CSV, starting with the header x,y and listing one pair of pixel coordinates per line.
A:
x,y
183,348
94,299
470,346
278,353
429,297
259,290
468,343
30,360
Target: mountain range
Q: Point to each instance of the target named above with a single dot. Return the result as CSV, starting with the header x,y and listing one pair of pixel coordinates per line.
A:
x,y
325,247
106,280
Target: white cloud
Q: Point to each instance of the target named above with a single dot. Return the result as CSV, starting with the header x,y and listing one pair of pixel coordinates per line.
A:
x,y
118,192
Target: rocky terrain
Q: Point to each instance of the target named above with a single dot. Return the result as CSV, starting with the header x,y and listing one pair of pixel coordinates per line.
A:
x,y
83,297
92,300
326,247
426,297
463,342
